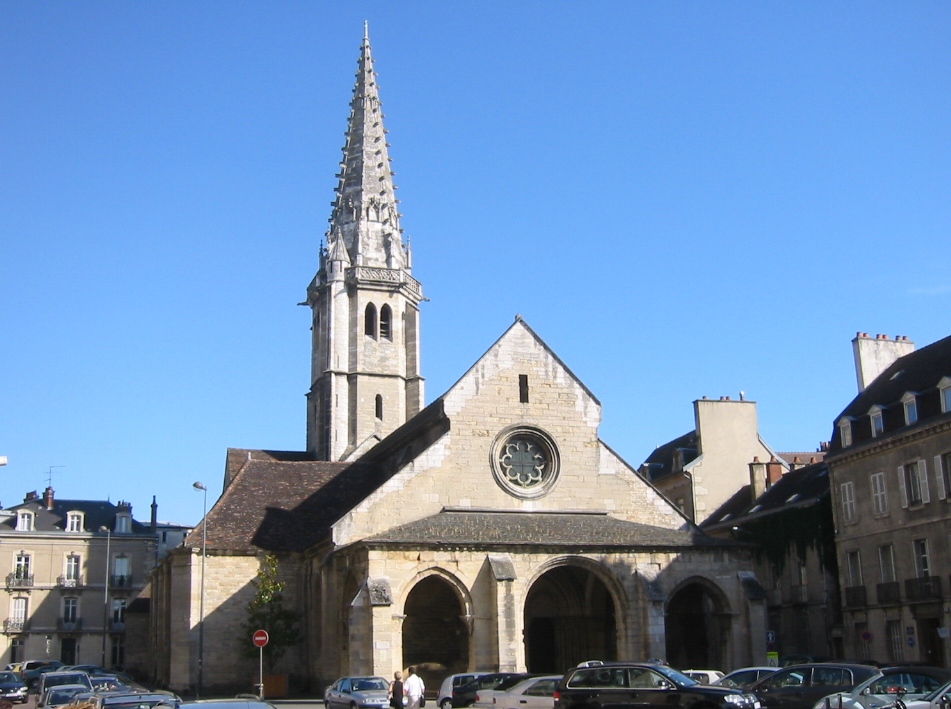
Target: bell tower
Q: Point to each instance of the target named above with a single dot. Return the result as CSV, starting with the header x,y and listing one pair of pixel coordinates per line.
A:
x,y
365,379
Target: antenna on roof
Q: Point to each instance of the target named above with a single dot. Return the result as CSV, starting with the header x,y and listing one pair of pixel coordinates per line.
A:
x,y
49,475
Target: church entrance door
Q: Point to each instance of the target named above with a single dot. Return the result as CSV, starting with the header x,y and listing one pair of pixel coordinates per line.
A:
x,y
569,618
435,634
695,637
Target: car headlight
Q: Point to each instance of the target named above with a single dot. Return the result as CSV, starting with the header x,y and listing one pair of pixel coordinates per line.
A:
x,y
740,699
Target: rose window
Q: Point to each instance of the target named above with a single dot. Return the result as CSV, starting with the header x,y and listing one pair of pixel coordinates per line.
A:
x,y
525,462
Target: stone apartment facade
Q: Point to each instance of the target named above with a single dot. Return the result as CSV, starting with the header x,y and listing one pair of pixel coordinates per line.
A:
x,y
69,582
890,467
490,530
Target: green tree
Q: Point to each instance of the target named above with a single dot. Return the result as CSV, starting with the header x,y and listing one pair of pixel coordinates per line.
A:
x,y
266,611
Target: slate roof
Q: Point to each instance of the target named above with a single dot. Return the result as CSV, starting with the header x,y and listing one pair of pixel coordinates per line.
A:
x,y
919,372
661,462
803,486
574,530
96,514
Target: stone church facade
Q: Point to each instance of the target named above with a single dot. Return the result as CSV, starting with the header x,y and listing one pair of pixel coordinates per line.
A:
x,y
490,530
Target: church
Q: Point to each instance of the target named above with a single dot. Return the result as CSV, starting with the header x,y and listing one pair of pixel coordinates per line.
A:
x,y
491,529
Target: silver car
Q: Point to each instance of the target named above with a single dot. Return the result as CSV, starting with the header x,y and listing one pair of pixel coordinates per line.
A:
x,y
360,692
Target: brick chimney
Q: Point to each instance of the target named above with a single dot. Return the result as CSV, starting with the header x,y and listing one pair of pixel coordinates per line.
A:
x,y
48,498
874,355
30,496
774,471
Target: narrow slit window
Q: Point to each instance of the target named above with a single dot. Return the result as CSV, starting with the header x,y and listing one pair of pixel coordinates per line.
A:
x,y
369,321
379,407
523,388
386,323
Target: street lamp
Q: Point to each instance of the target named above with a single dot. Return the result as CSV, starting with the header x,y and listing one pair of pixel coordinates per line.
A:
x,y
201,602
105,593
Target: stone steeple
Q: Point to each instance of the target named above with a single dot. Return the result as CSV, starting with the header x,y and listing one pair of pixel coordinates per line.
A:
x,y
365,378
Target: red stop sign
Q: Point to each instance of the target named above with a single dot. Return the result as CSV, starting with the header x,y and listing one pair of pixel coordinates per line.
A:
x,y
260,638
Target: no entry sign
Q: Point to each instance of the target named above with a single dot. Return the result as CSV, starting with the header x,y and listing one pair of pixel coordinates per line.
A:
x,y
260,638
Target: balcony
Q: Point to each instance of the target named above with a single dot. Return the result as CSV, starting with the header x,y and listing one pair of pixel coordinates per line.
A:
x,y
73,625
67,582
888,593
926,588
17,580
118,581
14,625
855,597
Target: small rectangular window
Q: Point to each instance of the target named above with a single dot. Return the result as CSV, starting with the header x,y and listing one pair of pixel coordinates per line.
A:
x,y
523,388
911,412
896,642
879,500
845,433
922,561
886,563
878,424
854,561
946,399
848,501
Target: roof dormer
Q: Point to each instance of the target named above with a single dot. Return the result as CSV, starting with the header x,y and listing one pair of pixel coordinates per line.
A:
x,y
909,403
944,389
876,417
845,431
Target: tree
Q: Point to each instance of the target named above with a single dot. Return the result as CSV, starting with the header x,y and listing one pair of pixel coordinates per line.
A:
x,y
266,611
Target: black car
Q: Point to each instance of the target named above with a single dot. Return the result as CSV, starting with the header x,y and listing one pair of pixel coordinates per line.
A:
x,y
801,686
465,694
12,687
623,685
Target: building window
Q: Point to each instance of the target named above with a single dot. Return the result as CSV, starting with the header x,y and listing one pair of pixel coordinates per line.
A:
x,y
896,642
18,650
914,484
944,387
379,407
862,641
525,461
886,563
878,422
21,569
70,610
845,432
803,576
118,610
854,563
24,521
118,651
523,388
386,322
922,561
121,572
369,321
910,404
18,613
847,492
74,522
73,565
944,473
879,500
123,524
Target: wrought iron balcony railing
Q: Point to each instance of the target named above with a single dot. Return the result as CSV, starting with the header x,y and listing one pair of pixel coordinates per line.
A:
x,y
14,625
69,582
925,588
889,592
855,597
70,626
119,581
18,580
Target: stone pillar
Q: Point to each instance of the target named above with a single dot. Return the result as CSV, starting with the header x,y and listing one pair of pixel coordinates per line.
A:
x,y
508,640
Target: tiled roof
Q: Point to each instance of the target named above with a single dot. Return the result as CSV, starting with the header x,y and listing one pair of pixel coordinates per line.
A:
x,y
805,485
918,372
96,514
802,457
661,462
576,530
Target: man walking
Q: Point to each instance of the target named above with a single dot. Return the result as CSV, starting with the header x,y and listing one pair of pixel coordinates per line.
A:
x,y
414,688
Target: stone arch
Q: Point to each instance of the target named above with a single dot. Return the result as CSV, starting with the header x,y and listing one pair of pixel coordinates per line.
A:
x,y
697,625
437,632
574,610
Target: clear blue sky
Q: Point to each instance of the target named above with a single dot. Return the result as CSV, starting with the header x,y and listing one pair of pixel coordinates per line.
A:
x,y
683,199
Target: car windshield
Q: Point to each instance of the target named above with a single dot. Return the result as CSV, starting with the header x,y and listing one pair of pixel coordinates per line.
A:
x,y
8,677
370,684
676,677
943,689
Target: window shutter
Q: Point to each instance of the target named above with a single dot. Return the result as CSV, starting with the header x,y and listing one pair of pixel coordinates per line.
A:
x,y
939,477
923,479
901,485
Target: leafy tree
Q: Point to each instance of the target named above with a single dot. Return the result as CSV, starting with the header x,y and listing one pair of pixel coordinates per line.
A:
x,y
266,611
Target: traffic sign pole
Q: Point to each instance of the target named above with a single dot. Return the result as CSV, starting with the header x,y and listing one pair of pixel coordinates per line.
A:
x,y
260,639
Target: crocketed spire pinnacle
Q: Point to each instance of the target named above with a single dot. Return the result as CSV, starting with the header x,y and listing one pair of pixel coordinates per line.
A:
x,y
365,212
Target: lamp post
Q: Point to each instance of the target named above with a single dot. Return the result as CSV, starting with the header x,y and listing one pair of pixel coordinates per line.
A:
x,y
201,601
105,594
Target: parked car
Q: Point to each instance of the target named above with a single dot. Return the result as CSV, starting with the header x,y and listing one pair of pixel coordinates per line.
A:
x,y
485,695
619,685
358,692
236,703
703,676
60,695
531,693
914,681
938,699
801,686
465,694
12,687
54,679
32,669
745,676
444,698
126,700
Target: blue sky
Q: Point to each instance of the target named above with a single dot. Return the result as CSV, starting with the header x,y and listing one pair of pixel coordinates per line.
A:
x,y
683,199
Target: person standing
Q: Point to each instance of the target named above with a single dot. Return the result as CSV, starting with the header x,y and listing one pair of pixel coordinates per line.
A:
x,y
396,690
414,688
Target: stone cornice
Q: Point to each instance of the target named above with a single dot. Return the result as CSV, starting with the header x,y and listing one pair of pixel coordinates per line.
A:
x,y
896,440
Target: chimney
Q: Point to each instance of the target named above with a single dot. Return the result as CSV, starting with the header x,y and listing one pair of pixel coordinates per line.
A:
x,y
30,496
48,498
774,471
757,479
874,355
154,523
